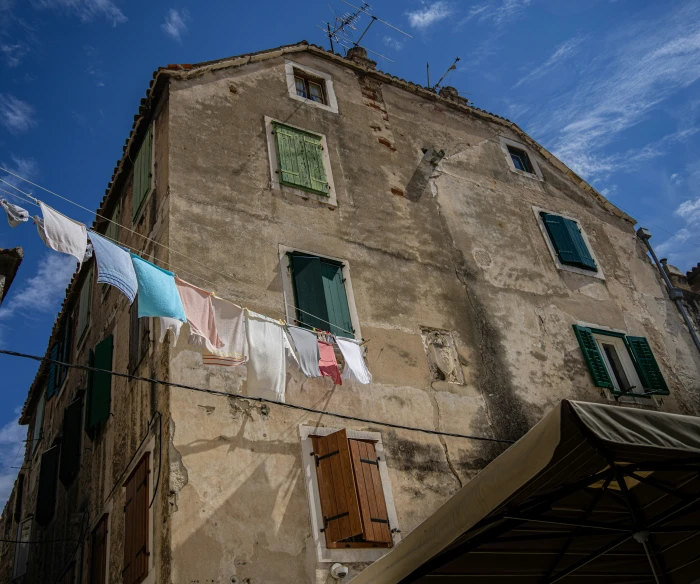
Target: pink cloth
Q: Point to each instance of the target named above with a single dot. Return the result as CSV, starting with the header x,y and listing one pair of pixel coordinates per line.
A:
x,y
200,315
328,364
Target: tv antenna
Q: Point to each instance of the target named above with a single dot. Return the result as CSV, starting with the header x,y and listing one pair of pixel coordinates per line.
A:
x,y
452,67
339,31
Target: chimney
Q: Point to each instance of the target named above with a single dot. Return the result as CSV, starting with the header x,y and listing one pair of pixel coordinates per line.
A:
x,y
359,55
451,93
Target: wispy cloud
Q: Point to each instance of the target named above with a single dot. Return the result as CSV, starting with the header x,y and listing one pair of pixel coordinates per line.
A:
x,y
175,23
12,437
16,115
393,43
560,54
429,14
86,10
13,53
499,12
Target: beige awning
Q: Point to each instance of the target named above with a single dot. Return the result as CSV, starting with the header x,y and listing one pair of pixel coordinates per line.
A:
x,y
593,493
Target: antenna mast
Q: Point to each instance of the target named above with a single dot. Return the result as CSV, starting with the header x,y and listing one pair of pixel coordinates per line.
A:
x,y
452,67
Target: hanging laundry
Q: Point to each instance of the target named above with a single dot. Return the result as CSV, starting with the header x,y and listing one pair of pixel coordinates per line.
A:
x,y
328,363
170,324
63,234
306,343
114,266
15,214
39,222
158,295
267,365
89,251
230,326
200,315
355,366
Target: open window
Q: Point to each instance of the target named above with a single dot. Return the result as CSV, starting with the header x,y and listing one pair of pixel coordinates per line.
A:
x,y
69,466
24,536
48,482
143,175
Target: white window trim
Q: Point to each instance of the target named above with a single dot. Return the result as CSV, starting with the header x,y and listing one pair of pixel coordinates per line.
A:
x,y
332,105
288,286
331,200
537,175
152,187
323,554
591,274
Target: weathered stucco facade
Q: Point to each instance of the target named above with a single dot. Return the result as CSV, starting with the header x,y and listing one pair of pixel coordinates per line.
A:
x,y
450,279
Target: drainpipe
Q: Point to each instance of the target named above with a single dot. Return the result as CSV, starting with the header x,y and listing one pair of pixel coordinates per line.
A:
x,y
675,294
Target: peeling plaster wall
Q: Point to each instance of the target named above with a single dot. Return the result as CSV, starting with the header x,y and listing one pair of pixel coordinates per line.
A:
x,y
464,256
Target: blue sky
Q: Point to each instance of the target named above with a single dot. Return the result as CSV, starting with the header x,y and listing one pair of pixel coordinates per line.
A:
x,y
609,86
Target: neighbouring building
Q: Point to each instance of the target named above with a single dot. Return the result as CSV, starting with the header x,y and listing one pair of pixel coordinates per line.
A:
x,y
488,280
10,259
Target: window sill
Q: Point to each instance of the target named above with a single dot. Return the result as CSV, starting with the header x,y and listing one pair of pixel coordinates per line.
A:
x,y
311,102
328,200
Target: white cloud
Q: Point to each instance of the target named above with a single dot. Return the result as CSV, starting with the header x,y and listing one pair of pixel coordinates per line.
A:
x,y
86,10
429,14
393,43
499,12
14,53
561,53
12,437
689,211
16,115
676,179
175,23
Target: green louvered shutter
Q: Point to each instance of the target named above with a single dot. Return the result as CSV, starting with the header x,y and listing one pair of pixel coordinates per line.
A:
x,y
300,159
560,236
593,357
336,300
70,443
89,430
53,372
585,259
647,367
313,151
112,231
142,174
85,306
101,383
46,495
309,292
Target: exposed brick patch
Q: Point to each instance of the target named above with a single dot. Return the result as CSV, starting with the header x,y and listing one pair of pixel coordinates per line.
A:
x,y
385,142
397,192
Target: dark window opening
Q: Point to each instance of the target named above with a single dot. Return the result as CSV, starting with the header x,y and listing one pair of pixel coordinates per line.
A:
x,y
520,159
310,88
616,368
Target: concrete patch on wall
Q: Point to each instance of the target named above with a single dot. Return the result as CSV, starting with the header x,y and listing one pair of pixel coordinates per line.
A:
x,y
442,355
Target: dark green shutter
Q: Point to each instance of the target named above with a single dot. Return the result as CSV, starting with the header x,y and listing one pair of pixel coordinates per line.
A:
x,y
568,242
46,496
70,444
89,430
585,259
101,383
53,372
336,300
593,357
85,306
142,174
65,352
309,292
647,367
300,159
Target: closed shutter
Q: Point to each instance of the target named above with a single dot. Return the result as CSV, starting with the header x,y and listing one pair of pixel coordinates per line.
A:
x,y
336,485
594,360
300,159
375,519
112,231
66,349
585,260
313,151
136,524
101,383
647,367
85,306
52,383
39,421
560,236
139,336
46,495
70,444
336,300
18,498
142,174
89,430
98,553
309,291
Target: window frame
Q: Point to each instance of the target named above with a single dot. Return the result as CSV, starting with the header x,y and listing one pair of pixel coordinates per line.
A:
x,y
354,554
536,173
19,549
553,252
292,70
138,216
83,334
330,200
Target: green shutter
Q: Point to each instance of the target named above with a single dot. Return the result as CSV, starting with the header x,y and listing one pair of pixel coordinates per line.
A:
x,y
66,351
568,242
336,300
46,495
309,291
585,259
593,357
112,231
85,306
53,372
89,430
38,422
70,443
142,174
647,367
300,159
102,383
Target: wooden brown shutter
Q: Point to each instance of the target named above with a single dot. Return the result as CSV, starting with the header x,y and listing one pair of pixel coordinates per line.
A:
x,y
136,524
375,520
98,553
336,485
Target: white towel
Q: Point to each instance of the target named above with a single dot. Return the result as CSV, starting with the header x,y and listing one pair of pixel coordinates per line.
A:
x,y
64,234
170,324
230,326
355,367
15,213
267,365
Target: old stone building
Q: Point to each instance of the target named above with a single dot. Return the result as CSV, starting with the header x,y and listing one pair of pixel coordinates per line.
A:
x,y
487,280
10,260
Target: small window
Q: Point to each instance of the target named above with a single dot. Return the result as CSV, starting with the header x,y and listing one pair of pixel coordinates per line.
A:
x,y
568,242
39,421
520,159
85,307
24,536
143,175
136,524
300,159
139,336
48,480
98,552
70,444
98,397
350,488
320,295
309,88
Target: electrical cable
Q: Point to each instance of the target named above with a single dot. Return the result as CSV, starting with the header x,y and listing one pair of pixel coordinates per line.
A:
x,y
258,399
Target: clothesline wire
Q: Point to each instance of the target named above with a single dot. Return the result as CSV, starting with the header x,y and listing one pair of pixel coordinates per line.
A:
x,y
197,262
253,398
19,198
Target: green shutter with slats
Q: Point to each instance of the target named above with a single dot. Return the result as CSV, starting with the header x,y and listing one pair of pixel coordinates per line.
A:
x,y
46,494
85,306
38,422
336,300
53,372
300,159
70,443
647,367
568,242
585,259
89,430
143,168
112,231
593,357
309,292
101,383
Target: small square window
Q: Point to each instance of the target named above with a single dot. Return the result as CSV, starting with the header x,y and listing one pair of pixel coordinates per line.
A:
x,y
520,159
567,240
312,86
309,88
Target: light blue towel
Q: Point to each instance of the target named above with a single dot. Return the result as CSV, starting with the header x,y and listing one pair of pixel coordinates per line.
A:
x,y
158,295
114,266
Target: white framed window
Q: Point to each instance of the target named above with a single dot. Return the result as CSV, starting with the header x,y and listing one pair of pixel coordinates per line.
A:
x,y
556,248
520,159
340,554
310,86
24,536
